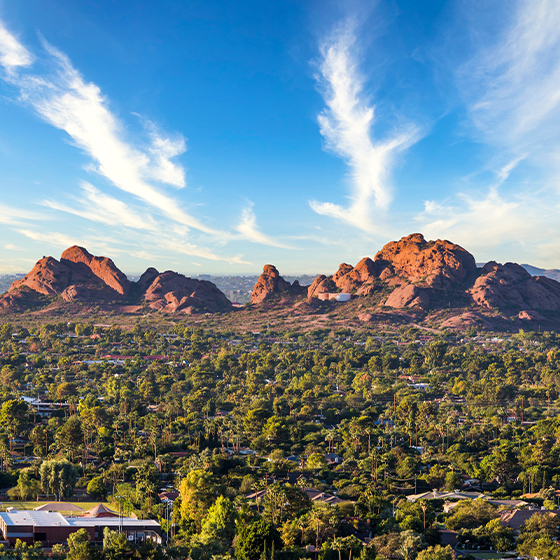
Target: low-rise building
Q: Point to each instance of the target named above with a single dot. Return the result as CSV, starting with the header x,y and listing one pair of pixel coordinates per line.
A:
x,y
50,528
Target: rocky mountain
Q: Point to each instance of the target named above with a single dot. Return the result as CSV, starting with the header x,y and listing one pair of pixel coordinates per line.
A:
x,y
416,270
434,283
270,283
427,277
174,292
80,277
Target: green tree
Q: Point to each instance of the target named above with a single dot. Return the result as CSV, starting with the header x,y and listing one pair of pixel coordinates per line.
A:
x,y
58,477
13,416
437,553
255,538
28,486
470,514
198,493
97,488
115,545
218,530
79,548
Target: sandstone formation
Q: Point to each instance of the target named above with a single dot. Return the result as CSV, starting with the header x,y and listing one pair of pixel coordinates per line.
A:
x,y
171,291
510,286
270,283
102,267
412,266
47,277
80,277
432,264
408,280
408,296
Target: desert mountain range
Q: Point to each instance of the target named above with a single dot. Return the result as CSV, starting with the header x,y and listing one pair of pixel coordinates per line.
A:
x,y
435,282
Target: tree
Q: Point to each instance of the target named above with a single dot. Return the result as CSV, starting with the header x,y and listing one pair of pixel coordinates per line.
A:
x,y
434,353
115,545
470,514
437,553
316,461
58,477
539,546
255,538
97,488
78,544
198,493
70,435
218,530
28,487
13,415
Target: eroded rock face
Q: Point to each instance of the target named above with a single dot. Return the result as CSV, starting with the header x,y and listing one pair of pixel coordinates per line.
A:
x,y
347,279
510,286
433,264
47,277
102,267
321,285
76,276
146,279
174,292
408,295
82,277
269,283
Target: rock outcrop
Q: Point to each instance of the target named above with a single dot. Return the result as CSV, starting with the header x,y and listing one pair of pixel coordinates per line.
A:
x,y
431,264
48,277
101,267
171,291
270,283
408,295
408,280
511,287
80,277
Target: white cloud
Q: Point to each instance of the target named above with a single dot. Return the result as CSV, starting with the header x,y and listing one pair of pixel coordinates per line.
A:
x,y
10,215
483,222
249,230
100,207
347,126
12,53
162,151
170,243
56,238
512,84
68,103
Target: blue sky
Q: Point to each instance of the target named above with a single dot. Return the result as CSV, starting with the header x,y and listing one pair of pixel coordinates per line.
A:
x,y
216,137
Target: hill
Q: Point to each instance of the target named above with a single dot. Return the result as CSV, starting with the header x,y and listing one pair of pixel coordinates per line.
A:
x,y
436,284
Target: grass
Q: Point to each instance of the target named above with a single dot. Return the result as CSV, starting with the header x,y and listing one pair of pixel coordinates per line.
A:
x,y
32,505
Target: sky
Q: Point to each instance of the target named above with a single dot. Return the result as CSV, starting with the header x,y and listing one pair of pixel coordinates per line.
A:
x,y
213,137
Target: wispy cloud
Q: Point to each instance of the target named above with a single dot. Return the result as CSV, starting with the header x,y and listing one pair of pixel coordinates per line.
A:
x,y
511,90
483,221
347,125
512,84
250,231
100,207
56,238
12,53
10,215
66,101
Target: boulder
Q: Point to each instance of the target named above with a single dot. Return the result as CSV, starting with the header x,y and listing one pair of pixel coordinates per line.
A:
x,y
269,284
171,291
433,264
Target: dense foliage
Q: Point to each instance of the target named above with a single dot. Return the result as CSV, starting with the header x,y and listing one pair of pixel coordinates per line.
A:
x,y
222,415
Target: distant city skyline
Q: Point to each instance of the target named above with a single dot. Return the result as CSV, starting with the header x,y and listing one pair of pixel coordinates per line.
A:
x,y
213,137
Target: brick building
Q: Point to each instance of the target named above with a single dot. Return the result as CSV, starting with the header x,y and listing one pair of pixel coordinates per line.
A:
x,y
49,528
